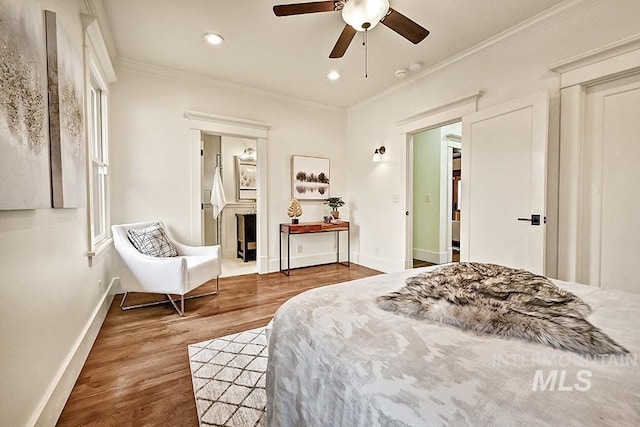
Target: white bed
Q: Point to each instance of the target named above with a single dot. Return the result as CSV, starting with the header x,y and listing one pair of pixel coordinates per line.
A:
x,y
337,359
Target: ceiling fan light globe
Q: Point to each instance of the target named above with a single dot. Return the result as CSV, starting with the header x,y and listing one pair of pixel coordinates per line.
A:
x,y
359,12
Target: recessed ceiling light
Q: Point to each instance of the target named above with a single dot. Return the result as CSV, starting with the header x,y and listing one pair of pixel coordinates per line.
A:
x,y
213,39
333,75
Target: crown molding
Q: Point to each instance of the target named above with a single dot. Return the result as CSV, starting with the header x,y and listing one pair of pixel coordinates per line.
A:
x,y
185,76
510,35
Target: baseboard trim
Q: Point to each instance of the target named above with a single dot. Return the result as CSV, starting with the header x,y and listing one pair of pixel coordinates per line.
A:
x,y
299,261
377,263
52,404
430,256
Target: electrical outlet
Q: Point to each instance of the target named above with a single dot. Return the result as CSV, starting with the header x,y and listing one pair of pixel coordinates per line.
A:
x,y
376,250
299,249
99,285
427,198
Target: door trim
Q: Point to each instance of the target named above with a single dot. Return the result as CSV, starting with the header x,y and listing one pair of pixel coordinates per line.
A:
x,y
197,123
429,118
616,60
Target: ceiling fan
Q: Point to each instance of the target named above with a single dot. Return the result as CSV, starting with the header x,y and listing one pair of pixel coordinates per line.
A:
x,y
359,15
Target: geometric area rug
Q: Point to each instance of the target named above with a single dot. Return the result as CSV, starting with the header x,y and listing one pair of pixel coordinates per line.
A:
x,y
228,376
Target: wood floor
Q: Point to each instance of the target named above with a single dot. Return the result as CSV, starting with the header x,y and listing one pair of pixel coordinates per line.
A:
x,y
137,373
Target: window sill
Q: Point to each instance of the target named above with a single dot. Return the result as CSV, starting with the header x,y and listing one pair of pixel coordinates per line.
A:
x,y
102,246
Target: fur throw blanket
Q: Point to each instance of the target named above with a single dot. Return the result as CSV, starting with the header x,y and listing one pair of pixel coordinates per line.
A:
x,y
503,301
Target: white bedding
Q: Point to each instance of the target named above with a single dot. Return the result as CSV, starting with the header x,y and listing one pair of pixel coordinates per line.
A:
x,y
336,359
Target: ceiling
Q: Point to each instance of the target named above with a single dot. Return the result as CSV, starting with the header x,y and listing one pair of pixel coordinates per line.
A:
x,y
290,55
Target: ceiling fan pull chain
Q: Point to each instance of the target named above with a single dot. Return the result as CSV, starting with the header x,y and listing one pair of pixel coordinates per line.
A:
x,y
366,54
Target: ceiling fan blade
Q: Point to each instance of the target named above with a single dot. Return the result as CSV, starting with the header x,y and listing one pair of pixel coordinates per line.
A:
x,y
301,8
405,26
348,33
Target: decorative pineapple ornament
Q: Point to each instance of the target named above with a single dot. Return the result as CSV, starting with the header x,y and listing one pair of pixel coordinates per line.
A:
x,y
294,211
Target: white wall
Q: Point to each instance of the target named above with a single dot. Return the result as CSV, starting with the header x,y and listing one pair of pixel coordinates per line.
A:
x,y
504,71
150,153
49,294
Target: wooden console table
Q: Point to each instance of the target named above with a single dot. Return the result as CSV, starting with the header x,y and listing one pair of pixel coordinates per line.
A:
x,y
314,227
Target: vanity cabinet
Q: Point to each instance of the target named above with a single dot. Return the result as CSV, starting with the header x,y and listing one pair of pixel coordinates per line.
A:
x,y
246,232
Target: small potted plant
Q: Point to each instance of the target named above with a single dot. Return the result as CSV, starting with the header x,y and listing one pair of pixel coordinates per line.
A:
x,y
335,203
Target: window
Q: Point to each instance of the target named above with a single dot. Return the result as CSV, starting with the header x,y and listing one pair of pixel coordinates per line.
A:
x,y
101,75
99,166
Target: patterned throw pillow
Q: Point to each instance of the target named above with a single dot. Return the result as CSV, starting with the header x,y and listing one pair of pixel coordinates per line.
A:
x,y
152,241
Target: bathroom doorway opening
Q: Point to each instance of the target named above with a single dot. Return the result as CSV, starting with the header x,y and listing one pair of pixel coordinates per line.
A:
x,y
229,214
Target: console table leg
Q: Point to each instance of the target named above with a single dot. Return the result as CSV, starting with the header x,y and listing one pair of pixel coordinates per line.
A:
x,y
349,247
288,254
280,250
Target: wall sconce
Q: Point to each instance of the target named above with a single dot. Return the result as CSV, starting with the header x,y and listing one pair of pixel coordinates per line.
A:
x,y
377,155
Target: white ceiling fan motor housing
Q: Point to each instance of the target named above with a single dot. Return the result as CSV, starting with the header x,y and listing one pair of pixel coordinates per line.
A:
x,y
361,12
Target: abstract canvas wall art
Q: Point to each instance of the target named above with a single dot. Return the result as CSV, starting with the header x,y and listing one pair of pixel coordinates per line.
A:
x,y
310,178
66,127
24,145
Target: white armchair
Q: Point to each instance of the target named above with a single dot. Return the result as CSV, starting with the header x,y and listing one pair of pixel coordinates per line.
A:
x,y
194,266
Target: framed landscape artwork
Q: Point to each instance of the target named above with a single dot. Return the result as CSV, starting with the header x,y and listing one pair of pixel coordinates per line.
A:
x,y
247,176
310,178
24,145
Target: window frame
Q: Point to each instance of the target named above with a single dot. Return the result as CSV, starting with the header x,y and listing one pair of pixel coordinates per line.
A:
x,y
98,164
96,83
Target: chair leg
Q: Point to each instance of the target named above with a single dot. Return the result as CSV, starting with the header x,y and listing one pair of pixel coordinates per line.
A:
x,y
124,297
180,312
169,300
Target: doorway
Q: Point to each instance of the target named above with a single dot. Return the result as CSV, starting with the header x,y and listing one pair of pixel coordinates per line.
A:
x,y
230,178
436,160
199,123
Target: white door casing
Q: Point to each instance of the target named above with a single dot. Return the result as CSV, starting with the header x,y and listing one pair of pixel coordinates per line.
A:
x,y
610,194
198,122
582,79
504,178
432,117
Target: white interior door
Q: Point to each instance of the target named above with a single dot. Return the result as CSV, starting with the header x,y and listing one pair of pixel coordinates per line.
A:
x,y
504,184
611,196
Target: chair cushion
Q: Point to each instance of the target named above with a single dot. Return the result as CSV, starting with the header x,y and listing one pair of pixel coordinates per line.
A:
x,y
152,241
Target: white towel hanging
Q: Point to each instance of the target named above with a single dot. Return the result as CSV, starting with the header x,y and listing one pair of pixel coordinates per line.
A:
x,y
218,199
